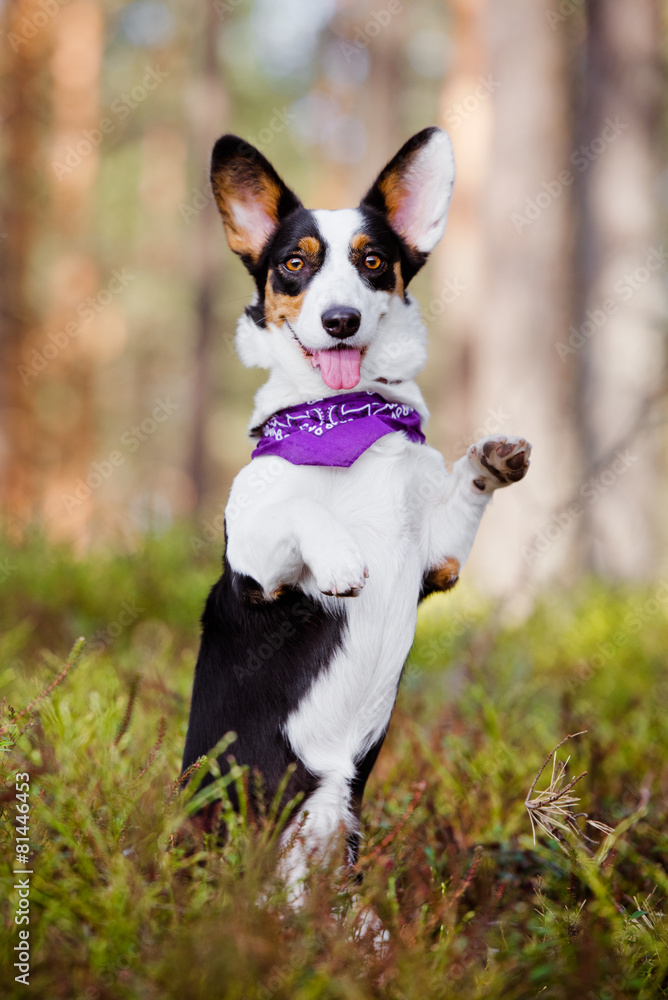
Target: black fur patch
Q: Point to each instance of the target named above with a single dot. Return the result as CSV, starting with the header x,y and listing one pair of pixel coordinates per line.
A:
x,y
363,769
411,260
238,168
390,248
284,243
257,661
301,224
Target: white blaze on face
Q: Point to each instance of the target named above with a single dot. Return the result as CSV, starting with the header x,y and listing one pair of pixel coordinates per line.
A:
x,y
338,284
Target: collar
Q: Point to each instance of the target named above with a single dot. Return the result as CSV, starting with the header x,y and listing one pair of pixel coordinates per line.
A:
x,y
336,430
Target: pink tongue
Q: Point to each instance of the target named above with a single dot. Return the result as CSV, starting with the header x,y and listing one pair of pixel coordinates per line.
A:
x,y
340,368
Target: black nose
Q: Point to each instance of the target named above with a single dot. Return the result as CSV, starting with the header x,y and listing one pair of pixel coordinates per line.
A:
x,y
341,322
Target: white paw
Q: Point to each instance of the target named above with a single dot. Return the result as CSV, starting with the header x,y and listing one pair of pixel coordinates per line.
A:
x,y
498,461
339,570
368,926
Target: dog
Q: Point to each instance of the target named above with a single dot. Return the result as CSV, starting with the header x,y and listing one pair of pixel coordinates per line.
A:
x,y
344,519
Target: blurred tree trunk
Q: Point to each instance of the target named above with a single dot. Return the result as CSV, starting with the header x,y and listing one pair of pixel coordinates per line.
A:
x,y
64,391
458,278
47,409
380,110
620,261
23,76
208,112
506,105
364,79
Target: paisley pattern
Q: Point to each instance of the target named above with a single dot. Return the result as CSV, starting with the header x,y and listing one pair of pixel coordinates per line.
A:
x,y
336,430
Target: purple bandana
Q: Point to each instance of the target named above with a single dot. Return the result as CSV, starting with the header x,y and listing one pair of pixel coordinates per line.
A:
x,y
336,430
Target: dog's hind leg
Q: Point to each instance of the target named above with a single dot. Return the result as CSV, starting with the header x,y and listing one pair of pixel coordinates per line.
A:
x,y
315,833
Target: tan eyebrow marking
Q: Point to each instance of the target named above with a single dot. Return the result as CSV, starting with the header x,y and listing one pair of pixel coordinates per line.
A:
x,y
310,246
360,241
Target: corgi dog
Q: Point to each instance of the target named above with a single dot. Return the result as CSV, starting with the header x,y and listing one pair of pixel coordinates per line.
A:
x,y
344,519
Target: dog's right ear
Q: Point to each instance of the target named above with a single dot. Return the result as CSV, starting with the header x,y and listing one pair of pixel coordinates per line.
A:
x,y
413,191
251,197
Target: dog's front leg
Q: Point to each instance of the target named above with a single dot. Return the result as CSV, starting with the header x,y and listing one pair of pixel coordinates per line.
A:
x,y
292,542
457,509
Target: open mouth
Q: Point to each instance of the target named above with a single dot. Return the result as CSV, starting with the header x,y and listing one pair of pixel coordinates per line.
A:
x,y
339,366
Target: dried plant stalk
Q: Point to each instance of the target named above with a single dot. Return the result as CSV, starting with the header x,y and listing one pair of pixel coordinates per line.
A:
x,y
71,662
553,809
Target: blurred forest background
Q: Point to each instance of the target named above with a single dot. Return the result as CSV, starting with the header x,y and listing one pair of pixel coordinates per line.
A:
x,y
123,407
123,416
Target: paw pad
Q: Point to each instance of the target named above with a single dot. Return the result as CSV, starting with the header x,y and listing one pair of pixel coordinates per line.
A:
x,y
499,462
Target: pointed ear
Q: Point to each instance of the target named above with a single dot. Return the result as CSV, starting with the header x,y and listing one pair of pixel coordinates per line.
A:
x,y
415,188
251,197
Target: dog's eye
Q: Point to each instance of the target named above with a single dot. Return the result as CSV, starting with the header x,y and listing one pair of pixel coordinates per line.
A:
x,y
294,263
372,261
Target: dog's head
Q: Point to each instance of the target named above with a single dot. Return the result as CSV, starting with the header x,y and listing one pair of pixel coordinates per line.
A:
x,y
331,304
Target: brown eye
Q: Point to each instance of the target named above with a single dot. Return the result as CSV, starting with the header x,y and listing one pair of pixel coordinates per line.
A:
x,y
294,263
372,261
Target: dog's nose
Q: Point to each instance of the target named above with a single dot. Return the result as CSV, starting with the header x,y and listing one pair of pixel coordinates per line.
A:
x,y
341,322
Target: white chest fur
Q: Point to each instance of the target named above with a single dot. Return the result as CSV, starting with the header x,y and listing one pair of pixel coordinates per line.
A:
x,y
381,502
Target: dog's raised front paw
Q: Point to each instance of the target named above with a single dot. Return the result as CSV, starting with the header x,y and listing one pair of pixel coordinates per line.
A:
x,y
339,570
498,461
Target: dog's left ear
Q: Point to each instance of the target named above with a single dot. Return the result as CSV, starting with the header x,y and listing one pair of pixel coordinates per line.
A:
x,y
415,188
251,197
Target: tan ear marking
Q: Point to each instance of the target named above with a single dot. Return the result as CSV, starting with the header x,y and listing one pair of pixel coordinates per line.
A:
x,y
248,205
392,191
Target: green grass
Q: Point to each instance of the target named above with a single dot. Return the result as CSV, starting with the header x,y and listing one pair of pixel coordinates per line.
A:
x,y
127,900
